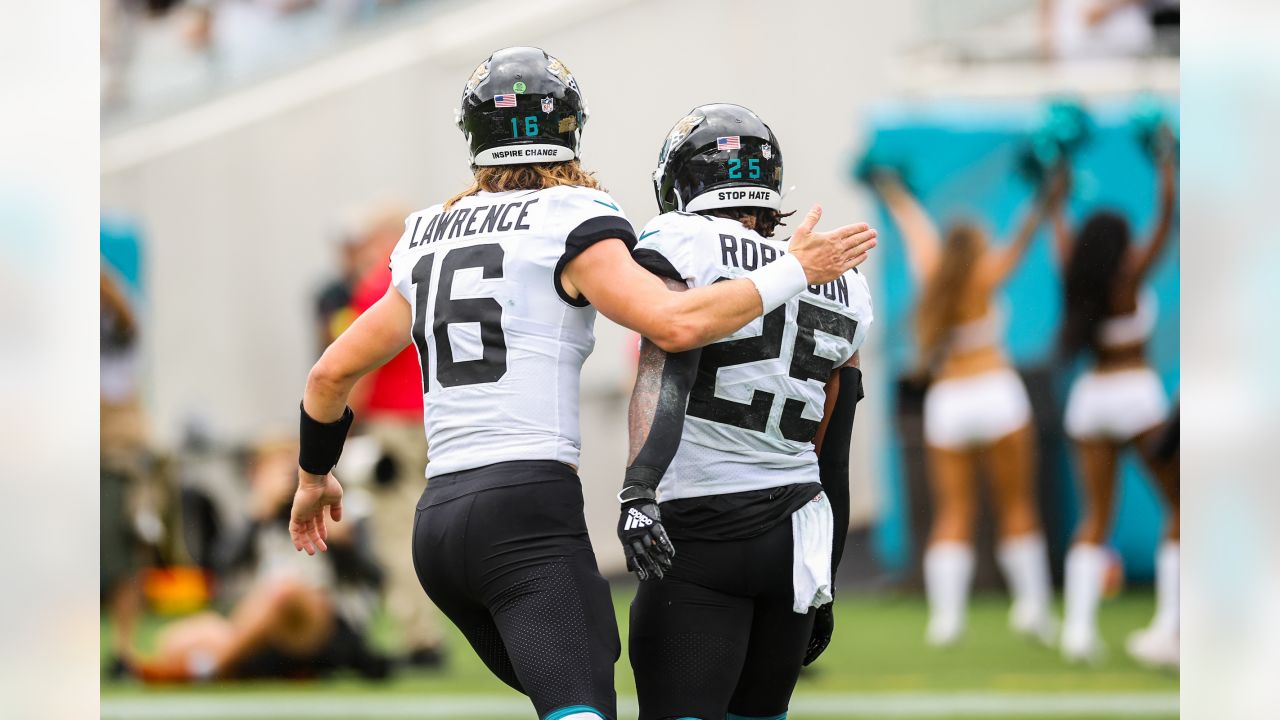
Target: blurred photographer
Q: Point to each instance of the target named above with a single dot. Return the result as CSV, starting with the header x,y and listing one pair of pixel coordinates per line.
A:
x,y
297,618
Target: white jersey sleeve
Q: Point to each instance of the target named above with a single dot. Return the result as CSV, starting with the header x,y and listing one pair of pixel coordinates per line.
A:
x,y
677,246
500,344
586,217
759,394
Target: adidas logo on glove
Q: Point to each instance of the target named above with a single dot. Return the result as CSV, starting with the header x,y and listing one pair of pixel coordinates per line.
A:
x,y
636,519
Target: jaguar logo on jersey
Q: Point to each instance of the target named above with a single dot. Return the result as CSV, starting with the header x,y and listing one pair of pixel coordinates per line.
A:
x,y
766,150
548,104
636,519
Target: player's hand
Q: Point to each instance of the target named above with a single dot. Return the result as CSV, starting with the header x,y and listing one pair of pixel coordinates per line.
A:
x,y
826,256
644,541
824,623
306,521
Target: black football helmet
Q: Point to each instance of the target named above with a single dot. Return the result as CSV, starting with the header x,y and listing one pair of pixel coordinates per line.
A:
x,y
522,105
719,155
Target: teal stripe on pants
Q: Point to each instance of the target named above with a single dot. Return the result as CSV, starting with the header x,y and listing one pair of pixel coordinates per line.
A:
x,y
564,712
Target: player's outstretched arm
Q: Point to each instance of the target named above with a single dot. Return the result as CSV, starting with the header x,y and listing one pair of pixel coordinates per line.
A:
x,y
633,297
844,390
373,339
655,421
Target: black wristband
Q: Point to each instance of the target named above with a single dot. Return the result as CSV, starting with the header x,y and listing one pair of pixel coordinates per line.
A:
x,y
320,444
633,492
643,475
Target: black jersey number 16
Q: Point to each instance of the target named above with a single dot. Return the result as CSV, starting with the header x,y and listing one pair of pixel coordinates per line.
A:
x,y
805,365
492,364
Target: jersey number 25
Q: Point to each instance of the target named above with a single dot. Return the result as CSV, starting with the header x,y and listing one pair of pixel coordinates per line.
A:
x,y
805,365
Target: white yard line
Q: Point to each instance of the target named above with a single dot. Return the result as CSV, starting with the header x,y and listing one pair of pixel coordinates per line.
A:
x,y
328,706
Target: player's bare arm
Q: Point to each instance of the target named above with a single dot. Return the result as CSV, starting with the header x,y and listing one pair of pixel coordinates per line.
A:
x,y
631,296
372,340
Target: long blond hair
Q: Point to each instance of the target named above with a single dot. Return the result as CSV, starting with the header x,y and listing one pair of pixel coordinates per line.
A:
x,y
534,176
940,302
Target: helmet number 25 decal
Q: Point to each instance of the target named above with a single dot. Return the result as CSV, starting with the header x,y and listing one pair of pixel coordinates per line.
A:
x,y
753,169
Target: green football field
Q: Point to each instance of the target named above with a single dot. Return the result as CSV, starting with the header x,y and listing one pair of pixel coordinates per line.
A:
x,y
876,667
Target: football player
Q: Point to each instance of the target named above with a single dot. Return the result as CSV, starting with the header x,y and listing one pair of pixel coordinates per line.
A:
x,y
740,450
497,288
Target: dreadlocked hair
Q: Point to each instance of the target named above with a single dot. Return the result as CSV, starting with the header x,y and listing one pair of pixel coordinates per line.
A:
x,y
936,312
532,176
1090,280
762,220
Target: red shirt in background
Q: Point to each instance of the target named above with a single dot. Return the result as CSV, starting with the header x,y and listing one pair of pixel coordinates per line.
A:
x,y
394,388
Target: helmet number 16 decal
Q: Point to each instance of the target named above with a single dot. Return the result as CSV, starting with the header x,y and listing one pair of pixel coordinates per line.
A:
x,y
530,126
753,169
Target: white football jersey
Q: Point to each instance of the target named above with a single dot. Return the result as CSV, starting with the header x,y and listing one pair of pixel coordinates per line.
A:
x,y
760,393
499,342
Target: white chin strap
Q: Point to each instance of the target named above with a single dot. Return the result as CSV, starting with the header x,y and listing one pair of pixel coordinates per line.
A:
x,y
745,196
523,155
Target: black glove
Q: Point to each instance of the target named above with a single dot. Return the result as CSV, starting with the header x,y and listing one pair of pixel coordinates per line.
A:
x,y
644,541
824,623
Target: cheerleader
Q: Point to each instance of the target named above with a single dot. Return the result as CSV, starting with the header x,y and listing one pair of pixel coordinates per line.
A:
x,y
976,414
1118,402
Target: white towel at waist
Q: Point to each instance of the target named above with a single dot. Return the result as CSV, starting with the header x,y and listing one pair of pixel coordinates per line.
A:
x,y
811,533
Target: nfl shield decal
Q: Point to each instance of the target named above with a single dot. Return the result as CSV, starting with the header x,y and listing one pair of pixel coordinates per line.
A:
x,y
548,104
766,150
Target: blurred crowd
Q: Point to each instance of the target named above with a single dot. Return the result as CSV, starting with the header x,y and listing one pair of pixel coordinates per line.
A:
x,y
1094,29
201,536
157,52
